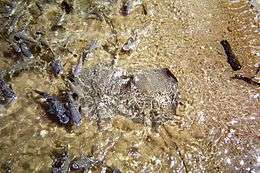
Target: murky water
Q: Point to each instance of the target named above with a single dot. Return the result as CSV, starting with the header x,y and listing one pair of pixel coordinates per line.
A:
x,y
216,127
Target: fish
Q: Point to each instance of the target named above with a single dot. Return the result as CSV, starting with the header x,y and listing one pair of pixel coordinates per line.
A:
x,y
85,163
55,107
6,91
78,67
7,166
76,89
10,9
73,110
231,57
111,170
87,52
20,43
246,79
67,6
61,163
127,8
57,67
25,50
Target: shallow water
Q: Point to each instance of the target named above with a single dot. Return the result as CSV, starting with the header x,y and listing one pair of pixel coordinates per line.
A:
x,y
216,127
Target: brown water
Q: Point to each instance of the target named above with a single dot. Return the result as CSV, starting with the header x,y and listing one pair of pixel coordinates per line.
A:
x,y
216,128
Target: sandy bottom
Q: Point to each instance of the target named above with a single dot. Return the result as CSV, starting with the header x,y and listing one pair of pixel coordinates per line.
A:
x,y
216,128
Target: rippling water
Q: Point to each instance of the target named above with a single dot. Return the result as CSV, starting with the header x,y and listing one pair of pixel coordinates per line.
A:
x,y
216,127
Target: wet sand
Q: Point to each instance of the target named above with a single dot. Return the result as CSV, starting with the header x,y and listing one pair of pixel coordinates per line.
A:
x,y
216,128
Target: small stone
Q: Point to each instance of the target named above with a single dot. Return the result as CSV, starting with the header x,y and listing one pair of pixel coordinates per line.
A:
x,y
43,133
242,162
228,161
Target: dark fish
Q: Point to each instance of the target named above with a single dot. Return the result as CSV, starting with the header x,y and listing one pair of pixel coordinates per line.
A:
x,y
25,50
6,91
40,40
76,89
42,3
7,167
10,9
20,36
57,67
22,65
16,47
61,164
13,24
257,70
127,8
73,110
125,87
39,5
78,67
19,42
116,171
231,57
67,6
246,79
55,108
169,74
84,163
111,170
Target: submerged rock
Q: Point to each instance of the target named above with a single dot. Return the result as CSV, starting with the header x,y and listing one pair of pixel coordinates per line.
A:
x,y
144,96
255,4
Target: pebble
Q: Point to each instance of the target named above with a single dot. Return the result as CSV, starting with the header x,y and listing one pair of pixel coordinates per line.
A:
x,y
43,133
242,162
228,161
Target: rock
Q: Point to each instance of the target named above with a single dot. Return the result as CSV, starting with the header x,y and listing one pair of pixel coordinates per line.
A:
x,y
144,96
43,133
